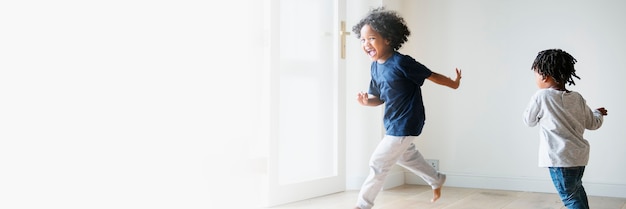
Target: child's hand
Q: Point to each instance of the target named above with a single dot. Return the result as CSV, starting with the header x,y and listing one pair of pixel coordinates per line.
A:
x,y
362,98
602,110
458,74
457,80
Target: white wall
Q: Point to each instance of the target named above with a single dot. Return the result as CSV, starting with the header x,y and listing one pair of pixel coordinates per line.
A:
x,y
476,132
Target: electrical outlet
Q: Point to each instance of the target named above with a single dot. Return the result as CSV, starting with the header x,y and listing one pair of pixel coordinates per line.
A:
x,y
433,163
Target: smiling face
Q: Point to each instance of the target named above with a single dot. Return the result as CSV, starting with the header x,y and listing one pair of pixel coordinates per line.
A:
x,y
374,45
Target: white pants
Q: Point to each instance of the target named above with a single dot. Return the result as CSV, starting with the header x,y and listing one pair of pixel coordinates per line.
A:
x,y
392,150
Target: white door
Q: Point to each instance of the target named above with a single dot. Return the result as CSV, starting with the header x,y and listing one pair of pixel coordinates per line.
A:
x,y
307,100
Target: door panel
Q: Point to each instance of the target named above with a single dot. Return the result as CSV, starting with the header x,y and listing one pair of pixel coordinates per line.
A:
x,y
306,157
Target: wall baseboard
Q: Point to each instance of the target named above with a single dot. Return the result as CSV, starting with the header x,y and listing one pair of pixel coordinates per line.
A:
x,y
518,184
394,179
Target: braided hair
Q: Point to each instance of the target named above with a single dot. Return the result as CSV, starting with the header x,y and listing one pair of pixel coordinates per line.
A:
x,y
557,64
388,24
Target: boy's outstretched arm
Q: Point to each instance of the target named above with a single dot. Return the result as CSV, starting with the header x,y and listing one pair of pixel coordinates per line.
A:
x,y
446,81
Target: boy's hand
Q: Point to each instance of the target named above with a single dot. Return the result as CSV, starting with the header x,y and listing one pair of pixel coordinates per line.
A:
x,y
602,111
457,80
362,98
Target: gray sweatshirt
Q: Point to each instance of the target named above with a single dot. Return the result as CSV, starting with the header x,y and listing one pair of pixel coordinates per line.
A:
x,y
562,117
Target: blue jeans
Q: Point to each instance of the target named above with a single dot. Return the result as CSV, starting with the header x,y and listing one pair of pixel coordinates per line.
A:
x,y
568,182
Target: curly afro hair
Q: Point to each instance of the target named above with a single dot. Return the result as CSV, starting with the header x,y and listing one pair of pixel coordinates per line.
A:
x,y
557,64
389,24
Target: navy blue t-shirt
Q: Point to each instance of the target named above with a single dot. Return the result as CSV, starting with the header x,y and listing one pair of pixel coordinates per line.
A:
x,y
397,82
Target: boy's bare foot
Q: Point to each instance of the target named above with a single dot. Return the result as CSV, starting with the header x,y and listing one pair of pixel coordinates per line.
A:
x,y
436,194
437,191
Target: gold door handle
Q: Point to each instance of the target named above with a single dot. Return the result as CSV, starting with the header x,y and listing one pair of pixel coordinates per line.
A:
x,y
343,35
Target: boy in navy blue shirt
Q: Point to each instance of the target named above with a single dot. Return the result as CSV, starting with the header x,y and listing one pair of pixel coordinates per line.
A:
x,y
396,82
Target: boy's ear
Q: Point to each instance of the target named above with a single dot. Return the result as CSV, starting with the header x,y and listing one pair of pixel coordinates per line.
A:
x,y
547,79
